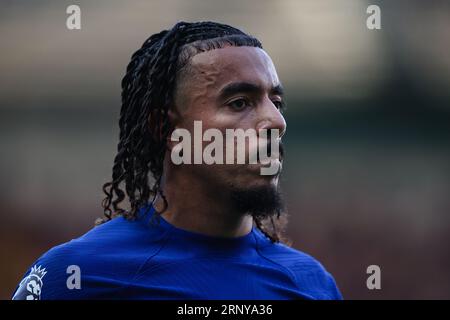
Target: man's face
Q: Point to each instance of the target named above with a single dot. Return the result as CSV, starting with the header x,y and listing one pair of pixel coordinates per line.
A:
x,y
230,88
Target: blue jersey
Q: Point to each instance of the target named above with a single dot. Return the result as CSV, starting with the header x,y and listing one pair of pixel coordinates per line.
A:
x,y
151,259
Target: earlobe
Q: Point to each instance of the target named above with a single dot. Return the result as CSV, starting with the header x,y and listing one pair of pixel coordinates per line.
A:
x,y
173,116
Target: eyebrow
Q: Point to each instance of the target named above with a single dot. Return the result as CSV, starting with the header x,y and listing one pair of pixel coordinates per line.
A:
x,y
247,87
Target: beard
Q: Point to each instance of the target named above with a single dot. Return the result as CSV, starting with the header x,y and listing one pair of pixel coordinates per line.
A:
x,y
259,202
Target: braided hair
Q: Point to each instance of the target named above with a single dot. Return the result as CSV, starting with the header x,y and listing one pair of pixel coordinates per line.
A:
x,y
147,92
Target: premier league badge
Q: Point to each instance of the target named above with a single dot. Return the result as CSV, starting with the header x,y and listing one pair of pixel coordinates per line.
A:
x,y
31,286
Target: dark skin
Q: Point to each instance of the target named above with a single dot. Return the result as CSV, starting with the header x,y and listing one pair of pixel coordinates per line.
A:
x,y
227,88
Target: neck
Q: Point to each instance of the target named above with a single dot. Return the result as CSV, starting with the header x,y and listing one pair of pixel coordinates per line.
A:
x,y
194,207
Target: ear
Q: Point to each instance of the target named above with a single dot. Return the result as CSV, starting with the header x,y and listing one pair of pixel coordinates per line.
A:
x,y
174,118
155,126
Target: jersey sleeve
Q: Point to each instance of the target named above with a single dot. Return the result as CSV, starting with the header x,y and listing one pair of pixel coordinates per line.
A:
x,y
315,279
74,271
311,278
332,291
45,279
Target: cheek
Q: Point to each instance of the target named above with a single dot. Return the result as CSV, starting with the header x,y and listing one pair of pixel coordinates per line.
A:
x,y
210,117
224,118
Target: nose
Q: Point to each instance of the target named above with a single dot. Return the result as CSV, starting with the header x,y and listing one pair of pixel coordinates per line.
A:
x,y
270,117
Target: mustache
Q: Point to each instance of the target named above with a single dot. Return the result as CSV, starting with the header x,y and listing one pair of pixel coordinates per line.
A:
x,y
270,151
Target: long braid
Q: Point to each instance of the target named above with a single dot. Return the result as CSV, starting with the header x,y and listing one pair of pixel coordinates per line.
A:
x,y
147,93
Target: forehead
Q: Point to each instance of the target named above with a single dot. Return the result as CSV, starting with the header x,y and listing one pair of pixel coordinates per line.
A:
x,y
219,67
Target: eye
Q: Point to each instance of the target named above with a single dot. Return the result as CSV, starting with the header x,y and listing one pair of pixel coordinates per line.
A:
x,y
239,104
278,104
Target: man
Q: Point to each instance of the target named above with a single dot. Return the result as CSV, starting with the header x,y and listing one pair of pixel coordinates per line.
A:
x,y
194,230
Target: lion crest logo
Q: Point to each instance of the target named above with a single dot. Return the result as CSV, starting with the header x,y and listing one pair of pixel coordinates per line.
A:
x,y
30,287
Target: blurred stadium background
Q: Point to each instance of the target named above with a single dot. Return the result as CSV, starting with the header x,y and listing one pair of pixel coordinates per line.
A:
x,y
367,175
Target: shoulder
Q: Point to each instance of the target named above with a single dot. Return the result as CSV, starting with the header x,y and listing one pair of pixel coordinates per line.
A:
x,y
95,265
312,279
